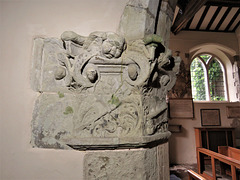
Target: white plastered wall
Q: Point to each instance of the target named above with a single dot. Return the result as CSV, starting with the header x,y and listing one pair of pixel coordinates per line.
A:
x,y
20,22
182,145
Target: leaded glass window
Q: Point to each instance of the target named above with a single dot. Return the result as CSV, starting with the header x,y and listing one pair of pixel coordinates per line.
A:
x,y
208,79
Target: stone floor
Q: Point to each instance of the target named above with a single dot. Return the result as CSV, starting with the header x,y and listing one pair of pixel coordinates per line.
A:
x,y
180,171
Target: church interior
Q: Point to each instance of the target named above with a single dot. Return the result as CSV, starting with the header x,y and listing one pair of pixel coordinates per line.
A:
x,y
203,106
189,39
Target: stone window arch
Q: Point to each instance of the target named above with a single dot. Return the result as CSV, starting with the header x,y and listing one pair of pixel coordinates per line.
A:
x,y
208,78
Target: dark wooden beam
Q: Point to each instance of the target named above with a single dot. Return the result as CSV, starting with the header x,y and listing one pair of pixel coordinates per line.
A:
x,y
202,17
235,28
189,23
204,30
182,4
232,20
223,18
191,9
224,3
213,18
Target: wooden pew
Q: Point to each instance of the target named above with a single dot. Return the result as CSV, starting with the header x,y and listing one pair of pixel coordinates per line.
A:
x,y
229,152
193,175
215,156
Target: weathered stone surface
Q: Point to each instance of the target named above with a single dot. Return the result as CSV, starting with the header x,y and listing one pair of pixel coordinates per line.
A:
x,y
138,164
135,23
116,94
53,120
165,19
150,5
163,161
77,120
45,63
236,76
163,31
110,89
168,8
36,70
172,3
139,18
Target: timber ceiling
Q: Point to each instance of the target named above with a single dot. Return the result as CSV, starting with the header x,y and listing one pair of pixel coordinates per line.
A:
x,y
207,15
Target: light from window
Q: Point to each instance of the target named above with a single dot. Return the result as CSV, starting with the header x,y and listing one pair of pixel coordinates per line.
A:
x,y
206,57
207,78
198,80
216,81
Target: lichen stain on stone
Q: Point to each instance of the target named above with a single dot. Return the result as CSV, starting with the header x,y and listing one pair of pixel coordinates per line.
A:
x,y
152,38
104,159
114,100
59,134
60,95
103,167
90,171
68,110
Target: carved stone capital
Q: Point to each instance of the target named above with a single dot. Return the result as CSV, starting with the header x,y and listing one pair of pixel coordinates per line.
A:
x,y
100,92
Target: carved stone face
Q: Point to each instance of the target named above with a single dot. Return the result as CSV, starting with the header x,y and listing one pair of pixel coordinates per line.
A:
x,y
112,46
92,75
109,49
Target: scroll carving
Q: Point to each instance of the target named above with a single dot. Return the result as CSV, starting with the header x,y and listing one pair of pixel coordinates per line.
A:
x,y
118,90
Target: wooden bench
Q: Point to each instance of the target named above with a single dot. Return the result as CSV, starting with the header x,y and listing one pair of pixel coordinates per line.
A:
x,y
193,175
229,152
233,163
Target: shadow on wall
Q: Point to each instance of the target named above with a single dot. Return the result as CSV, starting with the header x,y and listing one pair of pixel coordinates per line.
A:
x,y
236,124
173,143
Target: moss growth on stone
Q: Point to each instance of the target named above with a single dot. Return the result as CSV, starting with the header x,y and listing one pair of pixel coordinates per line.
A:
x,y
152,38
61,95
68,110
114,100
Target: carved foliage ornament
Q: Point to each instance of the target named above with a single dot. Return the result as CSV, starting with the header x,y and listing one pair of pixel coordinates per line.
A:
x,y
120,88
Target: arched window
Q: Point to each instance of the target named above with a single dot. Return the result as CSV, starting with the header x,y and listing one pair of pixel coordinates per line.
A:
x,y
208,79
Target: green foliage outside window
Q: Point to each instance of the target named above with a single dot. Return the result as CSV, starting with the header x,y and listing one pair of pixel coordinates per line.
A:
x,y
215,76
205,57
198,80
215,79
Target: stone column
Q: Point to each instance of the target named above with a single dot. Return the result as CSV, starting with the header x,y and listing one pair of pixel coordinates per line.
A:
x,y
145,163
143,17
106,94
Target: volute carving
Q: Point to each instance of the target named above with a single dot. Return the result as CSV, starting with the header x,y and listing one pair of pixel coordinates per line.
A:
x,y
118,90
